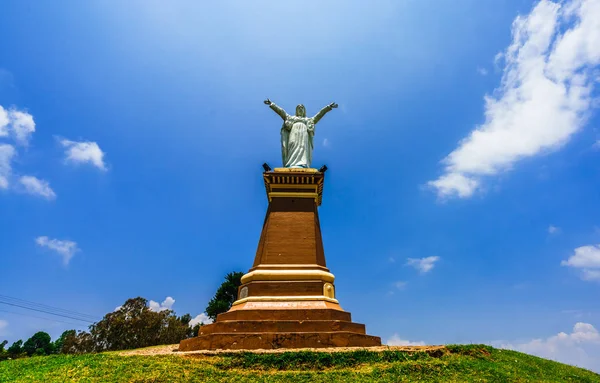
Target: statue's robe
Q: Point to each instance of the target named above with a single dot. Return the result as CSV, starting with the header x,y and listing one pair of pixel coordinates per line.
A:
x,y
297,135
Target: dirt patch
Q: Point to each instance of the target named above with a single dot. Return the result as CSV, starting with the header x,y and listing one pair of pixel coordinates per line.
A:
x,y
172,349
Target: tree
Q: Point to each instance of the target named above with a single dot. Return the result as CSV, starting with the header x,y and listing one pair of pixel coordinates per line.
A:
x,y
81,343
59,344
3,352
196,329
39,344
133,325
225,296
16,349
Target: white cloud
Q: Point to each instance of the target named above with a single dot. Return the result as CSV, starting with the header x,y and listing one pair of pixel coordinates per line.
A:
x,y
3,326
586,258
4,121
400,285
580,348
18,124
36,186
498,60
590,275
455,184
84,152
64,248
544,96
553,229
167,304
22,125
7,152
482,71
396,341
200,318
326,142
424,265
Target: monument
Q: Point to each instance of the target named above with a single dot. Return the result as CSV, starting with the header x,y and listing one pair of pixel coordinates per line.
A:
x,y
287,299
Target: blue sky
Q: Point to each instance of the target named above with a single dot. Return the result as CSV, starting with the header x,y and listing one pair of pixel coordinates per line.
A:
x,y
461,204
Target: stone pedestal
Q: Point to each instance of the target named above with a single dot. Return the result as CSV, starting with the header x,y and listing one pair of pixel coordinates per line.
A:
x,y
287,299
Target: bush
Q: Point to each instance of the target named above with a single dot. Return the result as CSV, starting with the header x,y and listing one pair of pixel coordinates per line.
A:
x,y
225,296
39,344
133,325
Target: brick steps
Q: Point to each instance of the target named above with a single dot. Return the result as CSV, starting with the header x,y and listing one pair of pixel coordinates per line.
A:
x,y
280,314
274,340
283,326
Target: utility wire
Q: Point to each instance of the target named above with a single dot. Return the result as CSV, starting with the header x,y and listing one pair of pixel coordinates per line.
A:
x,y
45,307
45,311
35,316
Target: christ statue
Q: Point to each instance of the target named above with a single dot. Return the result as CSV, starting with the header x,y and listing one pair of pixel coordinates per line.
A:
x,y
297,134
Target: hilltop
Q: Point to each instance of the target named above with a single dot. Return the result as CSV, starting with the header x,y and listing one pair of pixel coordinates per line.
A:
x,y
472,363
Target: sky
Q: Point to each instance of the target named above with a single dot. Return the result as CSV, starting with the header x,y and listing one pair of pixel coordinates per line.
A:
x,y
461,203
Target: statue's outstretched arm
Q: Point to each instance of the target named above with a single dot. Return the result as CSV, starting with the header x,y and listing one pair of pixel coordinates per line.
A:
x,y
324,111
276,108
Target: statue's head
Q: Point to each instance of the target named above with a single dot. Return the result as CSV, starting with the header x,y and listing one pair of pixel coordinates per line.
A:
x,y
300,111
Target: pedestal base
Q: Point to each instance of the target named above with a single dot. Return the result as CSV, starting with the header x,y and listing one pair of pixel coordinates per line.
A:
x,y
287,299
271,325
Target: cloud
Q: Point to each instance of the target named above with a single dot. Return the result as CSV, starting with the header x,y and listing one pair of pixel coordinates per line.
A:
x,y
553,229
17,124
7,152
586,258
590,275
580,348
498,60
167,304
200,318
544,97
35,186
3,326
66,249
326,143
400,285
4,121
455,184
396,341
482,71
424,265
84,152
22,125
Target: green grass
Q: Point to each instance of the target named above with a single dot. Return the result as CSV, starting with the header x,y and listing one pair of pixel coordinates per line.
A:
x,y
474,363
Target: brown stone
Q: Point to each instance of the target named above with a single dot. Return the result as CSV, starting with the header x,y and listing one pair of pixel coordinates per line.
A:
x,y
291,233
284,288
287,299
272,340
250,326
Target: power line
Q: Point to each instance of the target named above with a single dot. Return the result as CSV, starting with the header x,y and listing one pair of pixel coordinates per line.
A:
x,y
45,307
35,316
45,311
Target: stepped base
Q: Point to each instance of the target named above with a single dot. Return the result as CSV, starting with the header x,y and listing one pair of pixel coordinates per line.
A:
x,y
270,325
287,299
276,326
273,340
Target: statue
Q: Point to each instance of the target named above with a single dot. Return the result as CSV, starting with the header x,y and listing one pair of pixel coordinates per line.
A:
x,y
297,134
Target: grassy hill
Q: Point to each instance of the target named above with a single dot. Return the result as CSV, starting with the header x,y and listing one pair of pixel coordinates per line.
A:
x,y
473,363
